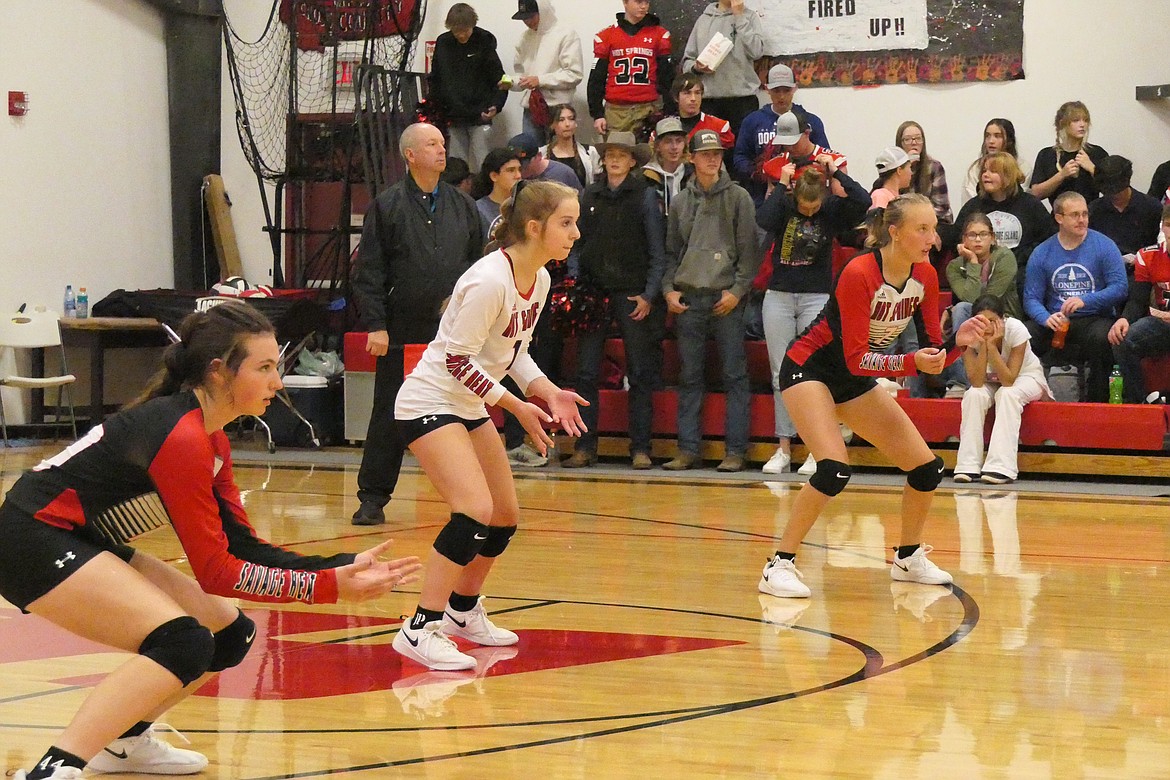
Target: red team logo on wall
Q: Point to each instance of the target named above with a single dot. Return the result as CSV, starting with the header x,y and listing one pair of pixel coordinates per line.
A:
x,y
318,22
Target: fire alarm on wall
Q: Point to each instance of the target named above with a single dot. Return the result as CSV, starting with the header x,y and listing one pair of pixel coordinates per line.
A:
x,y
17,103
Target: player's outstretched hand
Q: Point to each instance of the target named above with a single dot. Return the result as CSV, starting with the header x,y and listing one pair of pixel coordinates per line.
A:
x,y
973,331
564,407
369,576
533,418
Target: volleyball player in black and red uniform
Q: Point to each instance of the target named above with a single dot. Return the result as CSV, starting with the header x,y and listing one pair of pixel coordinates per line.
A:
x,y
829,375
165,460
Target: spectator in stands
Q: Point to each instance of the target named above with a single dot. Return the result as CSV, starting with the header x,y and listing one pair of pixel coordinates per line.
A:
x,y
927,175
621,255
794,145
999,135
1160,183
1018,218
563,146
731,88
547,63
688,93
1143,330
534,166
982,267
712,253
1005,373
753,144
669,171
1070,164
804,223
418,238
493,185
631,80
465,83
894,173
1076,278
458,175
1129,217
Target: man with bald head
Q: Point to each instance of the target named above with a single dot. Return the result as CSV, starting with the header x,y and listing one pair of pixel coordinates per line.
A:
x,y
418,237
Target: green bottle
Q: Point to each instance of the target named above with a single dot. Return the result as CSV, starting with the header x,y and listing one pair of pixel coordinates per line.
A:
x,y
1116,386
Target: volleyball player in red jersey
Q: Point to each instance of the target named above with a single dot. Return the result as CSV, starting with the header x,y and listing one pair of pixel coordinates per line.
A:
x,y
164,461
829,374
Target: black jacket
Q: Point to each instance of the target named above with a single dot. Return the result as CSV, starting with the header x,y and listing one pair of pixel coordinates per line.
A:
x,y
465,77
410,258
622,244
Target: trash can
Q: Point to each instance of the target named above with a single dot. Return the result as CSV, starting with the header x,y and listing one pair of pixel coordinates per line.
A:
x,y
319,400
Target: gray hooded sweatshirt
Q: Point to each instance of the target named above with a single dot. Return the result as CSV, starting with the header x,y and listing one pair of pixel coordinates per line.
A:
x,y
711,239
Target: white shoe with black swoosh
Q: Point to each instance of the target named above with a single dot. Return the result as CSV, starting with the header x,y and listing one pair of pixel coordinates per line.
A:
x,y
918,568
432,648
474,625
147,754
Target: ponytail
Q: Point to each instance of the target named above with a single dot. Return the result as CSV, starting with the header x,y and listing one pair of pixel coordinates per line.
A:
x,y
203,337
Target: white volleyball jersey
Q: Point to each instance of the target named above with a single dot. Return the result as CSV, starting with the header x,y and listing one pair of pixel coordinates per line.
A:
x,y
484,333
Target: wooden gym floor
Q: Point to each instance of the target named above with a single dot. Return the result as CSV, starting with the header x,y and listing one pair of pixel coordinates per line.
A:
x,y
646,651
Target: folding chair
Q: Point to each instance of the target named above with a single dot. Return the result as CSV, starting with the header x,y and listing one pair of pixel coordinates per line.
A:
x,y
37,329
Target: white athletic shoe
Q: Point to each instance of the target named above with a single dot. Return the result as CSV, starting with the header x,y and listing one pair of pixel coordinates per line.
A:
x,y
147,754
782,578
526,456
432,648
778,463
474,625
60,773
846,432
809,467
917,568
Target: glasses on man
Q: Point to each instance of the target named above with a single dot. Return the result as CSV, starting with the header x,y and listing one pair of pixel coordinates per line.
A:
x,y
977,235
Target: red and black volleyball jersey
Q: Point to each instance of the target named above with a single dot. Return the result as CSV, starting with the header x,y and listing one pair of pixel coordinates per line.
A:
x,y
866,314
633,60
155,464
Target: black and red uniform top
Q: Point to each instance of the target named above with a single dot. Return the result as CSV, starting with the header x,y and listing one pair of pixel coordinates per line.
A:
x,y
866,314
153,464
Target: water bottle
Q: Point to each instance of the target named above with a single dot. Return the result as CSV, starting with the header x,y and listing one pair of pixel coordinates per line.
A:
x,y
70,303
1116,386
82,303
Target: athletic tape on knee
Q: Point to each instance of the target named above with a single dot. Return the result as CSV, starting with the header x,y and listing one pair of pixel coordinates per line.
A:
x,y
926,477
831,476
232,643
497,541
461,539
181,646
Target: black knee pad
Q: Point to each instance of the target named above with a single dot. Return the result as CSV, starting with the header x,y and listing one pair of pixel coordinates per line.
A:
x,y
232,643
181,646
831,477
497,541
926,477
461,539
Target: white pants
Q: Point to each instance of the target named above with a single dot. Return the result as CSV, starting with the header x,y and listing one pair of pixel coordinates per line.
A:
x,y
1005,432
470,143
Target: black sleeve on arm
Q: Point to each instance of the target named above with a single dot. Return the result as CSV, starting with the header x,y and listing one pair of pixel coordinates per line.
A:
x,y
243,544
665,82
595,88
1138,304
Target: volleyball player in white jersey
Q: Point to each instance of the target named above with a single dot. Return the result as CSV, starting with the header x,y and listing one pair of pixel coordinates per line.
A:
x,y
441,414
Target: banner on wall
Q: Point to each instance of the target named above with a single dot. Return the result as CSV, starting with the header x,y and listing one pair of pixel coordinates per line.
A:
x,y
804,26
846,43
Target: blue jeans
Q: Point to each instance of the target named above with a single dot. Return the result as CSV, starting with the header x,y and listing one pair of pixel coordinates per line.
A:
x,y
1147,337
643,345
693,327
785,315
